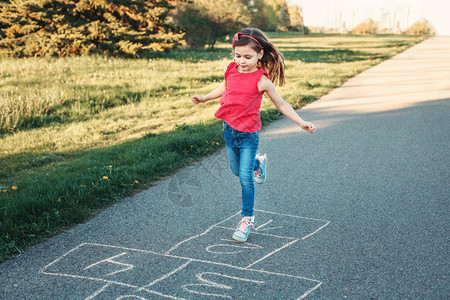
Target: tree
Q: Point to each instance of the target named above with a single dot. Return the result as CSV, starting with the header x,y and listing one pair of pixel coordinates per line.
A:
x,y
284,19
70,27
296,18
421,27
205,21
366,27
268,15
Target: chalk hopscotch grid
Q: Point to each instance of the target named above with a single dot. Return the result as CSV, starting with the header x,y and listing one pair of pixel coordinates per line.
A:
x,y
146,287
295,240
187,259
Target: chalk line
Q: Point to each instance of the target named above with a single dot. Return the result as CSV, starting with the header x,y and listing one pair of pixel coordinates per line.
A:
x,y
271,253
265,234
310,291
287,215
97,292
257,228
198,235
320,228
110,260
232,244
93,279
167,275
61,257
213,284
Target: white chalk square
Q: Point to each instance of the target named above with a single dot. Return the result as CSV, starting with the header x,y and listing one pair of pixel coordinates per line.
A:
x,y
111,264
282,225
217,245
209,281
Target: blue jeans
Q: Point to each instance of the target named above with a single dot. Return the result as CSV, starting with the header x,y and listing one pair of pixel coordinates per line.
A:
x,y
241,150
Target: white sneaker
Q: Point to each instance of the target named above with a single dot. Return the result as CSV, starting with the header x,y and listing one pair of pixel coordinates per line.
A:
x,y
243,229
260,175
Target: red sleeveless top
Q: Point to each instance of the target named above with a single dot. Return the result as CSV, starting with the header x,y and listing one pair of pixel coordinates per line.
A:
x,y
241,101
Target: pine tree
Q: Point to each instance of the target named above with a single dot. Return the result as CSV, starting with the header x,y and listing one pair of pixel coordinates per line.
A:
x,y
75,27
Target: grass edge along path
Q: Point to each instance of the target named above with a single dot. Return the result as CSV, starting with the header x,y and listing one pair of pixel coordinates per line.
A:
x,y
66,193
63,197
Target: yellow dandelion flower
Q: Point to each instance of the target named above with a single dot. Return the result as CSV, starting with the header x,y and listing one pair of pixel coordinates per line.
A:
x,y
14,188
105,177
136,181
110,167
4,191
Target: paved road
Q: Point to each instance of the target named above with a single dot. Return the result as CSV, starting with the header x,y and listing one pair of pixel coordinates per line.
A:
x,y
359,210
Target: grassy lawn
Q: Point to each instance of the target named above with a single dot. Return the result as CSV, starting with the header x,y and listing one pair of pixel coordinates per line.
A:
x,y
78,134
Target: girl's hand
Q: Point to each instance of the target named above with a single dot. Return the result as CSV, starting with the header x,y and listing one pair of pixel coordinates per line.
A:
x,y
198,99
308,127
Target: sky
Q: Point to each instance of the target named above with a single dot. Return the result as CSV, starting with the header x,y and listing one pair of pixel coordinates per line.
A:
x,y
389,13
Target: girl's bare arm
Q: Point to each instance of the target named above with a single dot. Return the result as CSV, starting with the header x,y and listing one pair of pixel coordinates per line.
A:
x,y
212,95
267,86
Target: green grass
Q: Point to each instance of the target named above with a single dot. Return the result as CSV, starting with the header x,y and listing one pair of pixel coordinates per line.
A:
x,y
78,134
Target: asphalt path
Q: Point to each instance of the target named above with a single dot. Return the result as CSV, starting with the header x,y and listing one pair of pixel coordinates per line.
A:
x,y
358,210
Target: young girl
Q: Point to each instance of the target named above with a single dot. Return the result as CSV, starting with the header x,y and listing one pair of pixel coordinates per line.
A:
x,y
241,94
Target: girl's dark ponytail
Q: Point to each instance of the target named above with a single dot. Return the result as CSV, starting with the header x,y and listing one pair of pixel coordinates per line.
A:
x,y
272,61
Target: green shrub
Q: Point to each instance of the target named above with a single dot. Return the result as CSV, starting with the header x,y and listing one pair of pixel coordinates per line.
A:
x,y
55,28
